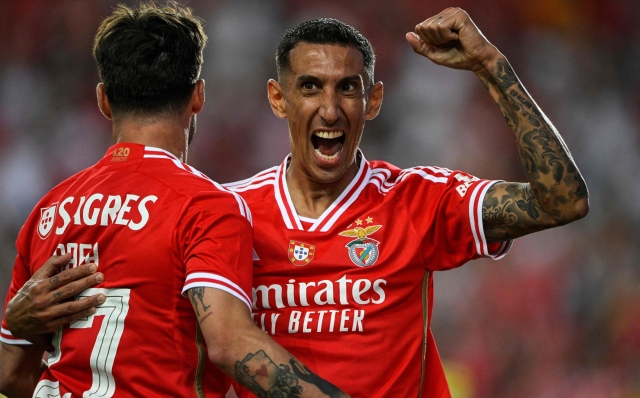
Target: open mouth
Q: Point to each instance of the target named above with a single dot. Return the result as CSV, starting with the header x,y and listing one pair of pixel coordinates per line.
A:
x,y
328,144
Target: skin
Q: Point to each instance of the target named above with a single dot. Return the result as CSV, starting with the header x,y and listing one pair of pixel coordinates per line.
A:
x,y
325,89
235,349
556,193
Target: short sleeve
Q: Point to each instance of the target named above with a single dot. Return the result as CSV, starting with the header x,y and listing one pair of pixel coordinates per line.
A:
x,y
19,277
446,209
215,242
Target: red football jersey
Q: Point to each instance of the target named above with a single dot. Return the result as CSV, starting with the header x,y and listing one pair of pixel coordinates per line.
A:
x,y
156,227
350,293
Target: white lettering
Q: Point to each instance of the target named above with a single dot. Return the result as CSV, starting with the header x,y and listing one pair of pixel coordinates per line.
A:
x,y
65,216
274,319
111,209
76,217
344,318
357,292
342,282
358,316
265,296
305,323
262,322
291,299
328,291
320,318
379,290
144,213
87,207
333,318
73,249
125,209
294,321
303,293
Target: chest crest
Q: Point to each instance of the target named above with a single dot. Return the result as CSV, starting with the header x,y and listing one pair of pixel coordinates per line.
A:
x,y
363,251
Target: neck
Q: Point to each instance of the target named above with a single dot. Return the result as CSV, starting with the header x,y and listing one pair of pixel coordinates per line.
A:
x,y
310,197
170,134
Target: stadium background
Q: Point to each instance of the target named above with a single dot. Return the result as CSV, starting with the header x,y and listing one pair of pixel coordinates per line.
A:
x,y
559,317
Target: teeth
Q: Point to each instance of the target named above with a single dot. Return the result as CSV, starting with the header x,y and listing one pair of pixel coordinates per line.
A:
x,y
328,157
329,134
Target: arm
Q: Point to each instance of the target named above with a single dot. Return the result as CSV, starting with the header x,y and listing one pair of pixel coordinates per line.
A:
x,y
39,307
20,369
556,193
246,353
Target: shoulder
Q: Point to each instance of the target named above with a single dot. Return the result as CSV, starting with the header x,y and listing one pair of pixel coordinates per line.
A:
x,y
388,178
199,191
256,187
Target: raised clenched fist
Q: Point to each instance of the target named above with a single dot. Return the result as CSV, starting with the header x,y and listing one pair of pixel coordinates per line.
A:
x,y
450,38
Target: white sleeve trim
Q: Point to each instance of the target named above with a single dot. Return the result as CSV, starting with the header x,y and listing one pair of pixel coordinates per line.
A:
x,y
203,279
477,228
12,341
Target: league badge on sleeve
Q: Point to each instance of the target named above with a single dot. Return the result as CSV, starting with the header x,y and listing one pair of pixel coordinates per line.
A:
x,y
363,251
47,217
300,253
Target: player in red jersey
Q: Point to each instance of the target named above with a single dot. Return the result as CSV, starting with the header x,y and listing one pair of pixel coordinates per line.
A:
x,y
345,247
158,230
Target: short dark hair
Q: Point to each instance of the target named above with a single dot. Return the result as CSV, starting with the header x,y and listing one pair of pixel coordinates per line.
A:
x,y
149,58
324,31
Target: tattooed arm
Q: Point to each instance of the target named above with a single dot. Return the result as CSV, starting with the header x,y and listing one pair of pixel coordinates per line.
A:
x,y
246,353
556,193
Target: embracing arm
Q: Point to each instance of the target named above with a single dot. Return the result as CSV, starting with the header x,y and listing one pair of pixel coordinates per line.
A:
x,y
556,193
246,353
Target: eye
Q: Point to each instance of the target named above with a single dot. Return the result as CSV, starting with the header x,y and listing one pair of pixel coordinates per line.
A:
x,y
308,86
349,86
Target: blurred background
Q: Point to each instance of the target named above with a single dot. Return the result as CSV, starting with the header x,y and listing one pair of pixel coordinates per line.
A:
x,y
558,317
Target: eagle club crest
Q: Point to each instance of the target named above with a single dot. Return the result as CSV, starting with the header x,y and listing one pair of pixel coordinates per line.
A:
x,y
363,251
47,217
300,253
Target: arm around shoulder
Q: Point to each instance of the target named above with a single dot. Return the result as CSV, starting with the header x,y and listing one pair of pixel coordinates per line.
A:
x,y
243,351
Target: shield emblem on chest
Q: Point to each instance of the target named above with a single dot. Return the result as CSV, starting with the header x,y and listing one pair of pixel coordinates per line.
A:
x,y
300,253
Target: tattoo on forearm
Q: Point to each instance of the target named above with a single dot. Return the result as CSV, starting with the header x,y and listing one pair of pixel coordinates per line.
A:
x,y
196,295
555,182
305,374
264,378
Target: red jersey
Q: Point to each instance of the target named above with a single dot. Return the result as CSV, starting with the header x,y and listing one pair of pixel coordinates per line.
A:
x,y
156,227
350,293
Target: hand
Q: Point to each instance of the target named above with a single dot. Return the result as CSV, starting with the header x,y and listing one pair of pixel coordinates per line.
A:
x,y
38,306
453,40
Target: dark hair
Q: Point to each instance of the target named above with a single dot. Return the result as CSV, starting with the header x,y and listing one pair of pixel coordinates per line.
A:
x,y
324,31
149,58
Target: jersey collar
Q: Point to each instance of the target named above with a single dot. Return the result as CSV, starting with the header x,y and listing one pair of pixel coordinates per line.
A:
x,y
333,212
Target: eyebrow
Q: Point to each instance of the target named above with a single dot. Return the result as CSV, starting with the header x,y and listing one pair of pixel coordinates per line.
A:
x,y
356,77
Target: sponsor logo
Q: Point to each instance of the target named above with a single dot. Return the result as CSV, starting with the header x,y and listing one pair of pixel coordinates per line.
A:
x,y
300,253
47,217
363,251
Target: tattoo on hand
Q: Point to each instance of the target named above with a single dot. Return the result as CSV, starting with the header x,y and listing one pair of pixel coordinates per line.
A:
x,y
197,296
54,279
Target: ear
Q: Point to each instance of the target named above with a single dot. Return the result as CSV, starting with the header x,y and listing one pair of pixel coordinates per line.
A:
x,y
276,99
103,101
197,98
375,101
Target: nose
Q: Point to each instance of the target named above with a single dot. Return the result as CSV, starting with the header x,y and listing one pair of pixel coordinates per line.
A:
x,y
330,108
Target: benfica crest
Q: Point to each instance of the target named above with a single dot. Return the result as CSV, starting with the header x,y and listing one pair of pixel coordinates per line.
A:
x,y
300,253
363,251
47,217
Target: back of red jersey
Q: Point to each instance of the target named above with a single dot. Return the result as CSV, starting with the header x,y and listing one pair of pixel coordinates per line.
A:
x,y
155,227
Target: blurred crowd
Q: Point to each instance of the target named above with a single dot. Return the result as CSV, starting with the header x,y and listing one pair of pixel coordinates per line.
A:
x,y
558,317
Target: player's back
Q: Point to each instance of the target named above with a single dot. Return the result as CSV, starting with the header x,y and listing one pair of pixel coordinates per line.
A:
x,y
140,215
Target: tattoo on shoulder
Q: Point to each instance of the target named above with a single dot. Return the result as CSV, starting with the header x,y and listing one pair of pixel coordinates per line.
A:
x,y
196,295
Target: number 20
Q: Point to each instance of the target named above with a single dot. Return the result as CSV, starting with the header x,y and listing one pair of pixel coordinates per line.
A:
x,y
114,310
